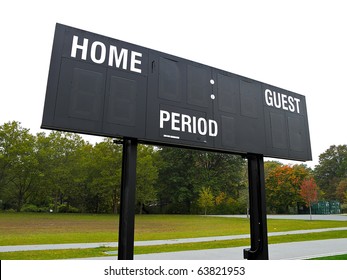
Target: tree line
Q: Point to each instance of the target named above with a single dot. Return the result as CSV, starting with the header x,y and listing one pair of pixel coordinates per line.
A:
x,y
61,172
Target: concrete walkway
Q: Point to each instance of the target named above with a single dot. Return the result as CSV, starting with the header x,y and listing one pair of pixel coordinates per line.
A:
x,y
342,217
282,251
152,242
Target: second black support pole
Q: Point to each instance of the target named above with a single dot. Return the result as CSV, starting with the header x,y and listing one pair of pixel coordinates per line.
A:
x,y
257,208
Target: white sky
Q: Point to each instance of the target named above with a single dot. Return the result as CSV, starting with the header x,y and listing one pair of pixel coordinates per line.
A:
x,y
300,46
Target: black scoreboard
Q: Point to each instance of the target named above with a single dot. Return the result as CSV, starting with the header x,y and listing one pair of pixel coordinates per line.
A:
x,y
102,86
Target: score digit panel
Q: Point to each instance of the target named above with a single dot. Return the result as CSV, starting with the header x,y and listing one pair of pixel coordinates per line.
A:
x,y
102,86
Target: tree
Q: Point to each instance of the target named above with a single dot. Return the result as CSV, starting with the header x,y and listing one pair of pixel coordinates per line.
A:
x,y
283,186
58,156
341,191
182,173
105,171
146,176
221,198
19,174
269,166
309,193
224,172
175,180
206,198
332,168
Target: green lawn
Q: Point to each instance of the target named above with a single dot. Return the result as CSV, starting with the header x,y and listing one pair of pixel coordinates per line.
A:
x,y
24,229
21,229
335,258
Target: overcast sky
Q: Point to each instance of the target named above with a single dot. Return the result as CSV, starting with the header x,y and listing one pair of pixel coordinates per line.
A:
x,y
300,46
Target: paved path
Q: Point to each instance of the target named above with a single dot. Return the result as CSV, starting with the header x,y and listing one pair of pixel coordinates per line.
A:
x,y
342,217
282,251
152,242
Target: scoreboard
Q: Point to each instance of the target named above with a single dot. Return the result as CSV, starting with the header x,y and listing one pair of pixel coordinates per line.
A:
x,y
103,86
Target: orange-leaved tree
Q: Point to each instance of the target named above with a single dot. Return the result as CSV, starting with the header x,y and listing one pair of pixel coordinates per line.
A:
x,y
283,186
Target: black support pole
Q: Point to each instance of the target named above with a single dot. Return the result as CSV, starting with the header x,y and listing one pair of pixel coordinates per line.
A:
x,y
259,242
127,201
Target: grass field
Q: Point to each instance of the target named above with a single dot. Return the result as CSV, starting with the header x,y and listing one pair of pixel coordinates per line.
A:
x,y
336,258
26,229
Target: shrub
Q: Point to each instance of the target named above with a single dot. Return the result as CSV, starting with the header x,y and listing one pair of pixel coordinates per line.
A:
x,y
64,208
30,208
33,208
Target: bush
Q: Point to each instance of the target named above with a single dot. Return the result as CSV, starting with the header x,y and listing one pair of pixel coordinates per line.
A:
x,y
230,206
30,208
33,208
64,208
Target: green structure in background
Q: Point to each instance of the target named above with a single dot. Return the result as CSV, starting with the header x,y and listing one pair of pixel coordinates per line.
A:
x,y
322,208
